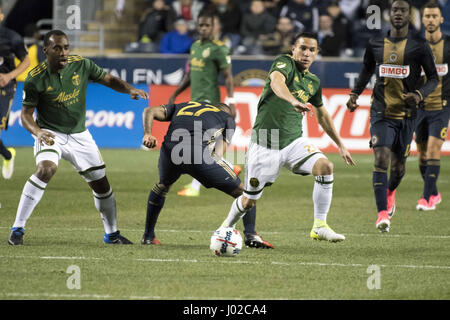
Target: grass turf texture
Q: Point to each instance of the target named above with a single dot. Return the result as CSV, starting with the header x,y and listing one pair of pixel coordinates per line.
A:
x,y
65,229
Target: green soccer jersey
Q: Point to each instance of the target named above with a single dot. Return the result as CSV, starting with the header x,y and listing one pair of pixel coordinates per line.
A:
x,y
276,113
60,97
206,61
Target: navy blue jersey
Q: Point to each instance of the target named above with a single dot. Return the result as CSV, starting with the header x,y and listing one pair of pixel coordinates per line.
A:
x,y
198,123
11,44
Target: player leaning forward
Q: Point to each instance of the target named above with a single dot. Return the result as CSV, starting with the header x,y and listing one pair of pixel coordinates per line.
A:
x,y
277,136
57,88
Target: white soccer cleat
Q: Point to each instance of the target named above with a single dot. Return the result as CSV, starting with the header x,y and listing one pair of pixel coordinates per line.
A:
x,y
321,231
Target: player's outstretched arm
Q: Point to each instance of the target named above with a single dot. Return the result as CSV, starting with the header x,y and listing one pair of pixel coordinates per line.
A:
x,y
279,87
28,123
150,113
185,83
119,85
324,119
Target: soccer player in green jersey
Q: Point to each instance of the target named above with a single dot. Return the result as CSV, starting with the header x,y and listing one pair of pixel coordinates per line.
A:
x,y
208,58
56,89
277,136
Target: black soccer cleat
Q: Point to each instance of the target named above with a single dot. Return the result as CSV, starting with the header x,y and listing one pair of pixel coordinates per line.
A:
x,y
253,240
116,238
16,237
146,240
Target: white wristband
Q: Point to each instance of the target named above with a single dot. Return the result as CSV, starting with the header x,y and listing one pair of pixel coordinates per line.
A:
x,y
231,100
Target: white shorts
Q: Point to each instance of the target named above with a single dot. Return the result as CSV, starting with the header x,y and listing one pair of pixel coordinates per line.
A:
x,y
79,149
262,165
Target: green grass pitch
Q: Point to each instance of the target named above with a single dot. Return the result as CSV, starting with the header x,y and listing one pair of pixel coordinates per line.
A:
x,y
65,229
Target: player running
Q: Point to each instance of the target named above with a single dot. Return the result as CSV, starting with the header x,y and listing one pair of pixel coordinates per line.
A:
x,y
397,61
432,120
277,139
11,44
56,89
198,135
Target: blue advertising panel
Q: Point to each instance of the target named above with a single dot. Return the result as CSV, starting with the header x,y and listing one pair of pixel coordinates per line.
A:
x,y
114,119
170,70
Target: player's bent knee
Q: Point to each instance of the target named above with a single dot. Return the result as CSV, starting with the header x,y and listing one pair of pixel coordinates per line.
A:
x,y
323,167
46,170
101,185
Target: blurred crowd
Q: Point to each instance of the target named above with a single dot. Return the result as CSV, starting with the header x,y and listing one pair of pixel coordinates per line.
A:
x,y
266,27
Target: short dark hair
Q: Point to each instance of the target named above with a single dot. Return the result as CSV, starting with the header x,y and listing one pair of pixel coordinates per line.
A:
x,y
407,1
51,33
206,14
311,35
431,5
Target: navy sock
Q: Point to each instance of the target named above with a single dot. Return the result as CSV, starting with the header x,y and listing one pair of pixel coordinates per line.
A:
x,y
423,169
431,177
249,221
154,205
4,152
395,178
379,180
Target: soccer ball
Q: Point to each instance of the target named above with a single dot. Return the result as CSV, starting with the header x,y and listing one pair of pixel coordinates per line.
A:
x,y
226,242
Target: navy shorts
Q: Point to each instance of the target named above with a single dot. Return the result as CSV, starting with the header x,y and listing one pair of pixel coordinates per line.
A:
x,y
211,173
392,133
6,97
432,123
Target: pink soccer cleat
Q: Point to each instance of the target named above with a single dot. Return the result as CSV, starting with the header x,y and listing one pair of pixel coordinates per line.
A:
x,y
383,223
390,202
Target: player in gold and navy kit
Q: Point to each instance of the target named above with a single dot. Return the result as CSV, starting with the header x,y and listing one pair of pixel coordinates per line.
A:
x,y
11,45
194,144
432,120
397,61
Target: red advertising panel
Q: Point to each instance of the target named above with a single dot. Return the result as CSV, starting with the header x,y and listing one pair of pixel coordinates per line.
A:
x,y
352,127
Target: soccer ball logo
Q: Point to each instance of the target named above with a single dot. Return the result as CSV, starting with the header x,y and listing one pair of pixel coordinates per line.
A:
x,y
226,242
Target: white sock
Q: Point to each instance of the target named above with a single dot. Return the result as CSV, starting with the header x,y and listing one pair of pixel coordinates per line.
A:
x,y
31,195
322,195
106,205
195,184
236,212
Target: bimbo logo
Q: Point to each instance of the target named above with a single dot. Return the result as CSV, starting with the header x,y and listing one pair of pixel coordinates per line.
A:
x,y
394,71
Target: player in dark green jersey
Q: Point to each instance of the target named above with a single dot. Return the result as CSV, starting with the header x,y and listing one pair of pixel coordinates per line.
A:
x,y
277,139
56,89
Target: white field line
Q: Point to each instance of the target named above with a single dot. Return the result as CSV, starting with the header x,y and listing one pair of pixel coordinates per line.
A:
x,y
225,260
54,295
261,232
99,296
